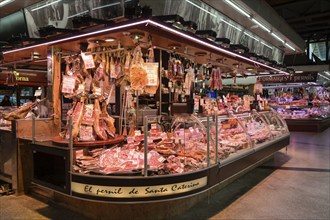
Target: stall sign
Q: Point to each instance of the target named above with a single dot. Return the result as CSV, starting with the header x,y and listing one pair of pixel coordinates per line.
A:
x,y
138,191
22,76
290,78
152,73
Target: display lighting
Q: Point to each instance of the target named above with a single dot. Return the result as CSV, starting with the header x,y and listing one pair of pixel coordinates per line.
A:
x,y
105,6
81,13
278,38
145,22
261,25
110,39
289,46
266,45
231,25
5,2
109,5
197,6
251,36
237,8
46,5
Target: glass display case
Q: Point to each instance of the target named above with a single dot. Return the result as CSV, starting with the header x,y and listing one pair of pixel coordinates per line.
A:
x,y
231,137
275,122
317,111
189,146
256,127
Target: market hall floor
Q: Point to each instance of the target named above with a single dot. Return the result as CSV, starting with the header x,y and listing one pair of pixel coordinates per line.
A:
x,y
294,185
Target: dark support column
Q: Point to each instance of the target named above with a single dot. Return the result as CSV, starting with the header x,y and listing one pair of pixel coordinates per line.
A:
x,y
327,49
307,46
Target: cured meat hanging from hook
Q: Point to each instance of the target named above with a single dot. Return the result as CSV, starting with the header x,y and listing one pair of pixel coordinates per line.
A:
x,y
98,128
138,75
109,121
220,78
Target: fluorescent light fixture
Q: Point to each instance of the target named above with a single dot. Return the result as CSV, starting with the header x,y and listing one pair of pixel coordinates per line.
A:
x,y
109,5
289,46
231,25
278,38
324,77
105,6
298,71
46,5
110,39
146,22
197,6
251,36
261,25
81,13
237,8
266,45
5,2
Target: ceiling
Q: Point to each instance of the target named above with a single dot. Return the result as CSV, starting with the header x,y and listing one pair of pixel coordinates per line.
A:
x,y
15,6
309,18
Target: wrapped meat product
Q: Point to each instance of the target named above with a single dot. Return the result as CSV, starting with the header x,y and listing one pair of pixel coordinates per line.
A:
x,y
138,74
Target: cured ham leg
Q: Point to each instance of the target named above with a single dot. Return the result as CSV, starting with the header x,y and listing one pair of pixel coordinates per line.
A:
x,y
77,118
99,131
108,120
22,111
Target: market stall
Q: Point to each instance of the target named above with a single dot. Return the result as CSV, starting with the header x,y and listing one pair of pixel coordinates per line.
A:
x,y
300,100
143,154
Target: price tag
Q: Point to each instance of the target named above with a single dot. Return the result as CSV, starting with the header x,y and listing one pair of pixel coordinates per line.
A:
x,y
152,73
137,133
68,84
88,61
153,126
163,135
191,130
130,140
38,92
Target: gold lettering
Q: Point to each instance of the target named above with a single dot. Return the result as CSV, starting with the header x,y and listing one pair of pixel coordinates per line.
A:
x,y
22,78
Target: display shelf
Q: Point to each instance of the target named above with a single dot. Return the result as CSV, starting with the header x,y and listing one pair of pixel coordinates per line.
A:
x,y
309,124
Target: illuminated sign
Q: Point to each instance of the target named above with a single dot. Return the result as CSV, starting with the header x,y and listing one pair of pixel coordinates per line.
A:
x,y
138,191
291,78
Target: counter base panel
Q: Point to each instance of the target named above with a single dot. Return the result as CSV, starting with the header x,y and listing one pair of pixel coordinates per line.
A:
x,y
308,125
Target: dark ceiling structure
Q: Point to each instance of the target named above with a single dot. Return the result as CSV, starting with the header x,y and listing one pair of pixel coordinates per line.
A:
x,y
15,6
309,18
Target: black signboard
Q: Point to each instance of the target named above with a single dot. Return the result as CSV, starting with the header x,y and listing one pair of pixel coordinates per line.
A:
x,y
13,25
289,78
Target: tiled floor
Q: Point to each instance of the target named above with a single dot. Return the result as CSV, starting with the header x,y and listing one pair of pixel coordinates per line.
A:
x,y
295,185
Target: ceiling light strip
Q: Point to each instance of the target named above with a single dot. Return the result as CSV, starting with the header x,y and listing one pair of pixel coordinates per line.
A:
x,y
212,46
146,22
105,6
231,25
84,12
197,6
46,5
266,45
278,38
5,2
289,46
237,8
261,25
251,36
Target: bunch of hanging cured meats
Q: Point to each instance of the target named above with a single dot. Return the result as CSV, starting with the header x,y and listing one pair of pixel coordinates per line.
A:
x,y
90,91
216,79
